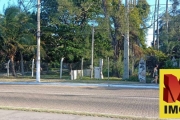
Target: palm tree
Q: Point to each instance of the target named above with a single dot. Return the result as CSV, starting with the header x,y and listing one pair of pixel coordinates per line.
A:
x,y
15,30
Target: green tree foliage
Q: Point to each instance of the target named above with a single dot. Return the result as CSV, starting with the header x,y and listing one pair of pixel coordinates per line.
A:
x,y
15,33
66,29
137,18
154,57
143,9
169,37
169,31
69,33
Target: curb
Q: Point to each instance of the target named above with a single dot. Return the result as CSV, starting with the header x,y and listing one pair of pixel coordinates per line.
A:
x,y
143,86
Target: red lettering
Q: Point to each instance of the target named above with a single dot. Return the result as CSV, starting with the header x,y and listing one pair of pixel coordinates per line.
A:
x,y
172,88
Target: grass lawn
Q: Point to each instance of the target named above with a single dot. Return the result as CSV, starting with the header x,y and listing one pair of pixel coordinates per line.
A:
x,y
67,78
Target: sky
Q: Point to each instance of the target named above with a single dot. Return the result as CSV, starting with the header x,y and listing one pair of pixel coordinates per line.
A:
x,y
162,9
5,2
149,36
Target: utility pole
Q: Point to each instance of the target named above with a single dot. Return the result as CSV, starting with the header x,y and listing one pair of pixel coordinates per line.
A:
x,y
61,67
154,24
126,43
167,14
167,18
92,51
38,43
158,26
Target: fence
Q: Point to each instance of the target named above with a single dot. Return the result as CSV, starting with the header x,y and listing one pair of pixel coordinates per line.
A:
x,y
52,70
77,70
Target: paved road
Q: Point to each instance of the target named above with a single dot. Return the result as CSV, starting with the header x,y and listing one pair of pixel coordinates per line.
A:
x,y
84,99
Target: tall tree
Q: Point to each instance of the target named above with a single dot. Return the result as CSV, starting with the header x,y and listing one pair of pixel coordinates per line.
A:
x,y
114,11
69,29
15,33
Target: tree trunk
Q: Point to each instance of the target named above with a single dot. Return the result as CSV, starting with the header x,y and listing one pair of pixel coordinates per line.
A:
x,y
133,60
113,34
22,65
12,66
132,68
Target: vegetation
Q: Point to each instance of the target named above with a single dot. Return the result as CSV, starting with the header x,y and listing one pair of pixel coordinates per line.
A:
x,y
66,31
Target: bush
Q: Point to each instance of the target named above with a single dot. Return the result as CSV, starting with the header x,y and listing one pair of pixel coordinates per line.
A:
x,y
133,78
169,65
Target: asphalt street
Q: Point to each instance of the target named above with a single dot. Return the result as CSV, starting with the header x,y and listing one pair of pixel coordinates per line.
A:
x,y
121,101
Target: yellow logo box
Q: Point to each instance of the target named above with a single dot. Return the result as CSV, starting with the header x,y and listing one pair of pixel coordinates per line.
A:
x,y
169,96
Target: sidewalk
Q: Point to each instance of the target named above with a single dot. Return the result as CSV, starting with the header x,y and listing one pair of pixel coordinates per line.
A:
x,y
23,115
119,85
